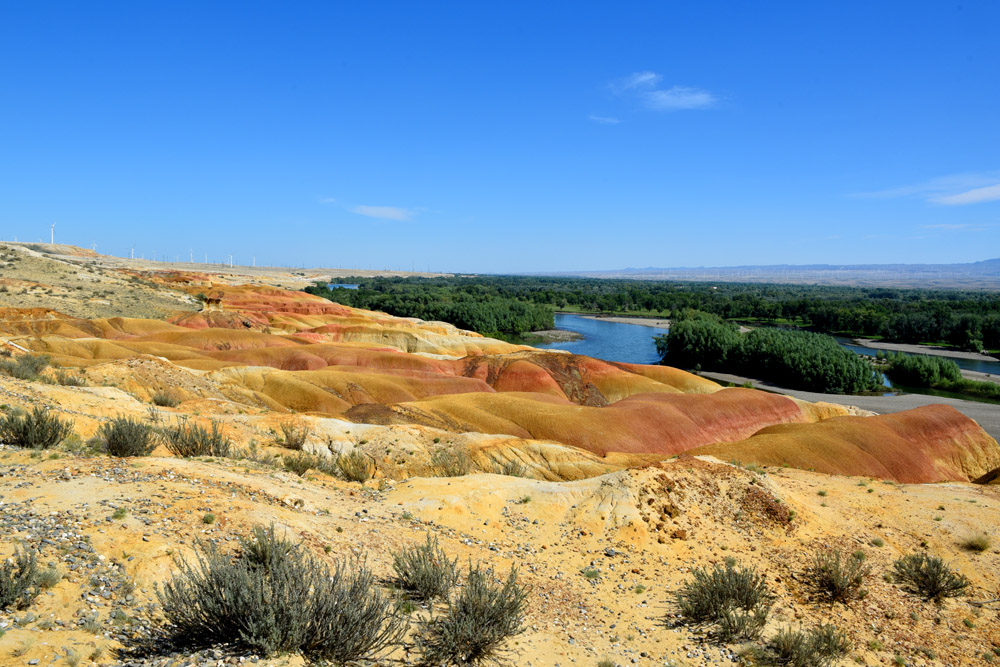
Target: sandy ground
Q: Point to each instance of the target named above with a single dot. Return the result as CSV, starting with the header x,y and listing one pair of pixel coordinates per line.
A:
x,y
923,349
980,377
986,415
557,335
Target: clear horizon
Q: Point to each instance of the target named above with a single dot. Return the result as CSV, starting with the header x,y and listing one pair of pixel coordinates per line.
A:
x,y
505,139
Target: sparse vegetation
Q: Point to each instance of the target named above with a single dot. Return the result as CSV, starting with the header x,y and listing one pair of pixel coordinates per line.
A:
x,y
273,597
165,399
929,577
25,366
355,466
69,380
125,436
839,576
18,580
478,621
37,429
294,436
186,439
452,462
424,570
821,646
511,468
734,599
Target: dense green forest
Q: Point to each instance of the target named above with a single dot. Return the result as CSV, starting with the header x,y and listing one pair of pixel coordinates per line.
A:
x,y
933,373
967,319
467,306
794,359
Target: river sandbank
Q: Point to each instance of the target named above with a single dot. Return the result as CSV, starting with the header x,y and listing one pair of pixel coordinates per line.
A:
x,y
932,350
624,319
554,336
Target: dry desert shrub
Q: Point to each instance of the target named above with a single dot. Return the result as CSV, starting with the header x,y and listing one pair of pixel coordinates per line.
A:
x,y
929,577
838,575
18,579
511,468
124,436
165,399
68,380
273,597
424,571
821,646
299,464
977,543
293,436
355,466
185,439
25,367
35,430
734,599
451,462
478,621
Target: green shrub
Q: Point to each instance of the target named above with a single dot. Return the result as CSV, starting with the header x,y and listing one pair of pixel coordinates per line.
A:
x,y
165,399
424,570
479,620
292,436
67,380
18,580
185,439
452,462
273,597
819,647
35,430
735,599
355,466
299,464
929,577
25,367
124,436
48,578
838,575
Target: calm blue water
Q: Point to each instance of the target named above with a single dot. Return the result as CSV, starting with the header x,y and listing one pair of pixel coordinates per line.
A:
x,y
610,341
342,286
633,343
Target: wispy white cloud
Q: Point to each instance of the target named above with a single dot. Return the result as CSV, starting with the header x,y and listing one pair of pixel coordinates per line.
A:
x,y
603,120
954,190
645,86
327,200
974,196
385,212
961,227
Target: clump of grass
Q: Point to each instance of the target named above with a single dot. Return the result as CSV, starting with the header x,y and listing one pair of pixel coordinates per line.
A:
x,y
590,573
125,436
838,575
186,440
929,577
48,578
818,647
453,462
424,570
208,519
355,466
165,399
478,621
273,598
977,543
294,436
37,429
25,366
877,542
119,514
18,580
735,599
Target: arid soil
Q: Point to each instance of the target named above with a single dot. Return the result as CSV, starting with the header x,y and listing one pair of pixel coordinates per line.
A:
x,y
606,516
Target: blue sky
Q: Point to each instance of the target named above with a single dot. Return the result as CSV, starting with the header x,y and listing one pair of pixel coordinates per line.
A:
x,y
505,137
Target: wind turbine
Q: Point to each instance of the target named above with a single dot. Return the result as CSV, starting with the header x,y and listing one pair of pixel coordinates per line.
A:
x,y
94,246
131,253
52,228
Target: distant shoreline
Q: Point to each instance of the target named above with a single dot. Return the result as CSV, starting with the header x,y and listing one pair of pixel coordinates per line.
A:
x,y
923,349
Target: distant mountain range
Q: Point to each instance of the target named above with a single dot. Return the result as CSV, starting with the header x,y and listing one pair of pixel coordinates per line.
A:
x,y
984,274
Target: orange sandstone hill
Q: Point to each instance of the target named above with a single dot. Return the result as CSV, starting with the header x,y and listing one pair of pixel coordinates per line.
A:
x,y
264,348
